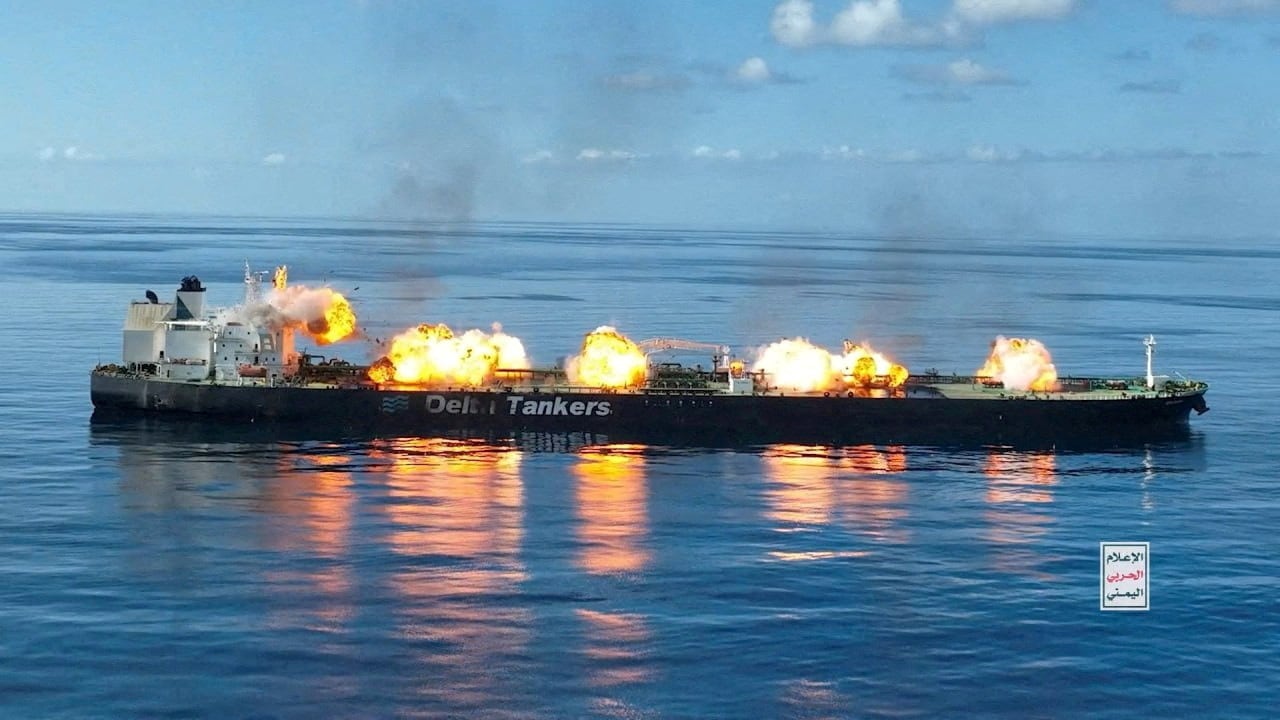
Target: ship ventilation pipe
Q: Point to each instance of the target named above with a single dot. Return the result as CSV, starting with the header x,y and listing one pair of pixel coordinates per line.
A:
x,y
190,299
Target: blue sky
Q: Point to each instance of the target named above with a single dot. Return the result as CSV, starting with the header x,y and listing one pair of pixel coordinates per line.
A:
x,y
917,116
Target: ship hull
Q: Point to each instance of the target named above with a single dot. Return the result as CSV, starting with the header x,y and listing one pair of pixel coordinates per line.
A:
x,y
665,417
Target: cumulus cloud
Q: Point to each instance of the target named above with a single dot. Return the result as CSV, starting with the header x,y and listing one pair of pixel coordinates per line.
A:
x,y
881,22
754,70
876,23
989,12
1224,7
275,158
958,72
793,24
863,23
1153,87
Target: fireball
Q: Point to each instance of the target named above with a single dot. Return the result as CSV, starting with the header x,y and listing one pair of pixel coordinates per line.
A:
x,y
338,322
280,278
607,359
322,313
802,366
1021,364
433,355
861,366
797,364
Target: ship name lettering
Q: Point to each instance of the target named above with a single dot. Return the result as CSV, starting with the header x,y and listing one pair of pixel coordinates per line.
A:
x,y
518,405
465,405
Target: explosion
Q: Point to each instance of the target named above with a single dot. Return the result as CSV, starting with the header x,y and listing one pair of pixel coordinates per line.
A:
x,y
322,313
433,355
608,359
861,366
1021,364
797,365
802,366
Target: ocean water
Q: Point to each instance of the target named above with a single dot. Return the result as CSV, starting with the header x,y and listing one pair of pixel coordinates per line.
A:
x,y
149,572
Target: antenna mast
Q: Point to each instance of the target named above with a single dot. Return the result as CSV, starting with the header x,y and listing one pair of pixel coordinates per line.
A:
x,y
1150,342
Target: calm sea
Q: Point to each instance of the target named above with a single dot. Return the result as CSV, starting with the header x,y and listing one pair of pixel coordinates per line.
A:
x,y
152,573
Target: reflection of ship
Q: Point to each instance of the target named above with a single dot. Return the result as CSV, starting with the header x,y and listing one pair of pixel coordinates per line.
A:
x,y
176,361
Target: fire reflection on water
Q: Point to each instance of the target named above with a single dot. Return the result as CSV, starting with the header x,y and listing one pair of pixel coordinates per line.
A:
x,y
854,486
611,499
455,510
1019,489
314,487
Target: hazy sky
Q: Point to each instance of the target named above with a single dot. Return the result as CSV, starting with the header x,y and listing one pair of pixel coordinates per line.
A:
x,y
915,116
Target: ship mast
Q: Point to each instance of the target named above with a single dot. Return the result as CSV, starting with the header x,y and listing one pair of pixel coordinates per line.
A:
x,y
252,284
1150,342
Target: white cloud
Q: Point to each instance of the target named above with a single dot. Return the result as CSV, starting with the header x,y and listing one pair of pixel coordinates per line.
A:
x,y
274,158
880,23
967,72
754,70
869,22
1224,7
73,153
961,72
707,152
843,152
598,155
793,24
987,12
863,23
541,156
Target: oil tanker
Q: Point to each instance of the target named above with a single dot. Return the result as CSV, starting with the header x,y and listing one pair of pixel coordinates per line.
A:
x,y
240,366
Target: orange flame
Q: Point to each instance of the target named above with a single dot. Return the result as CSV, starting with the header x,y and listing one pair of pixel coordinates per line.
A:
x,y
280,278
799,365
338,323
607,359
796,364
322,313
863,365
433,355
1021,364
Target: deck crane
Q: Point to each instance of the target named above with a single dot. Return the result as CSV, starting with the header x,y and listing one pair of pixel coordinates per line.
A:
x,y
719,353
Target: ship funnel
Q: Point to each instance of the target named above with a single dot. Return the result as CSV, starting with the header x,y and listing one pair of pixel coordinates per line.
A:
x,y
190,304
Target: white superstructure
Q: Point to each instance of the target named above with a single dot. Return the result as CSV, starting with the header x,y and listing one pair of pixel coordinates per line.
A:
x,y
179,341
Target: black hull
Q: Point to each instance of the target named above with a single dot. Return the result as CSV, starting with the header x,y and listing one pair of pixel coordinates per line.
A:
x,y
653,418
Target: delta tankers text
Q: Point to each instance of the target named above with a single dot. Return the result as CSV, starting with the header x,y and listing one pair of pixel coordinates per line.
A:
x,y
239,364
